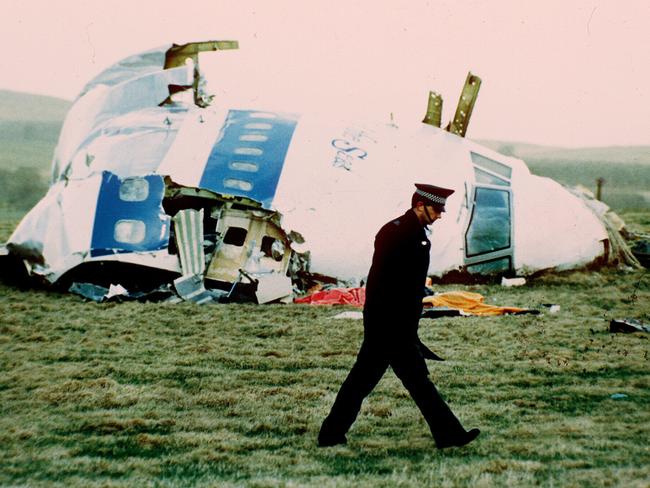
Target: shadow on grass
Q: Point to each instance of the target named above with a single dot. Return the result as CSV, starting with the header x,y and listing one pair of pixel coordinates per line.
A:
x,y
373,462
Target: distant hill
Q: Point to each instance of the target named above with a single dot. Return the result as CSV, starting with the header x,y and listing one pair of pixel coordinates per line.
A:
x,y
29,129
18,106
624,170
607,154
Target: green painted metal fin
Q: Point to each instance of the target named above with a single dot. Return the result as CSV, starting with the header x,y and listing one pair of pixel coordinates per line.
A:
x,y
434,110
468,97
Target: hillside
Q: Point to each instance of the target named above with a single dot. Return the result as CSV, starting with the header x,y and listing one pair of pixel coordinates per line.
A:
x,y
29,129
625,170
609,154
27,107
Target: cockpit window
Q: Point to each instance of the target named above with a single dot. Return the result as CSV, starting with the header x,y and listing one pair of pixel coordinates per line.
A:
x,y
491,165
486,178
489,228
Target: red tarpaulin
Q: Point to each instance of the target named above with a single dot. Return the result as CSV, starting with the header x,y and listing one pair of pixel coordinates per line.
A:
x,y
336,296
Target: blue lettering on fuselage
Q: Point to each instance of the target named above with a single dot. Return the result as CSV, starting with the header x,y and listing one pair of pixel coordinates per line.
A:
x,y
348,148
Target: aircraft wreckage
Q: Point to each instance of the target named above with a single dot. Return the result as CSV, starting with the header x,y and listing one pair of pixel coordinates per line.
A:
x,y
154,183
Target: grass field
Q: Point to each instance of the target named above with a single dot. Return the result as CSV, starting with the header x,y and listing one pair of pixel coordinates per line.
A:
x,y
146,394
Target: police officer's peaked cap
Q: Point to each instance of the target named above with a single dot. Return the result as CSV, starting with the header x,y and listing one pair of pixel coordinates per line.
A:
x,y
433,195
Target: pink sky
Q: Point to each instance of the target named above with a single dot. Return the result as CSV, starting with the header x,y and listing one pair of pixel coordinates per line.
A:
x,y
555,72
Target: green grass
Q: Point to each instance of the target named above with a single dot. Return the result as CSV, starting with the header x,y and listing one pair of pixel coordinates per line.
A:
x,y
146,394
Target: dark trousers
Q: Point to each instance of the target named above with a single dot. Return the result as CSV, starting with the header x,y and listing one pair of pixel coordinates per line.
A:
x,y
408,364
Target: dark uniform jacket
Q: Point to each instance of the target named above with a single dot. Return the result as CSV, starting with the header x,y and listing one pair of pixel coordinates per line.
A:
x,y
396,280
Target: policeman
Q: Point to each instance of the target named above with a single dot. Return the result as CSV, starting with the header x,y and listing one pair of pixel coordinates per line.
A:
x,y
393,306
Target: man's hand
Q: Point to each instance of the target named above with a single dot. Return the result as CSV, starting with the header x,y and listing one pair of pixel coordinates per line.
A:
x,y
428,353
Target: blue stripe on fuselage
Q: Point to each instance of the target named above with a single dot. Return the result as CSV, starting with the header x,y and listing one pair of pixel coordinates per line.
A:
x,y
111,209
248,156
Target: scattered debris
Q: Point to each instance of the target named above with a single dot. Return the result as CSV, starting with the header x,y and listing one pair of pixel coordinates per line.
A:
x,y
118,293
88,290
472,304
190,288
273,286
513,281
447,304
552,307
617,250
641,250
336,296
618,396
349,315
437,312
628,325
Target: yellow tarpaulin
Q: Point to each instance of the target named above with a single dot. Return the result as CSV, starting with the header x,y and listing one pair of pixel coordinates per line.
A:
x,y
468,302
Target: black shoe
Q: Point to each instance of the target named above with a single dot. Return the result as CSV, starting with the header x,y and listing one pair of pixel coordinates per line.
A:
x,y
331,441
459,441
